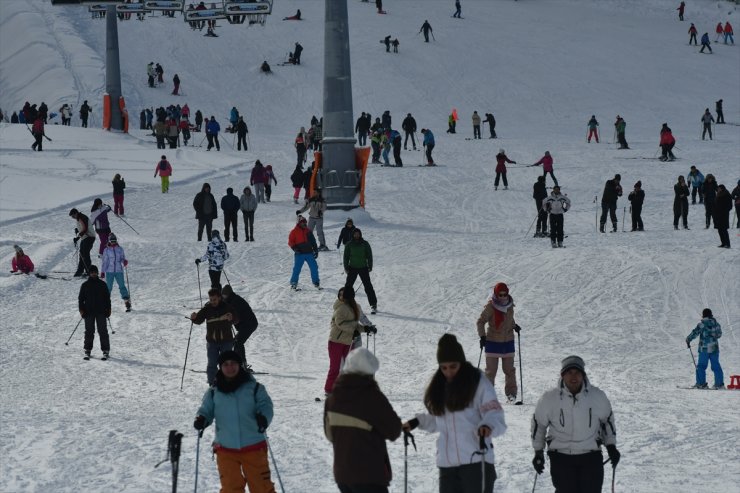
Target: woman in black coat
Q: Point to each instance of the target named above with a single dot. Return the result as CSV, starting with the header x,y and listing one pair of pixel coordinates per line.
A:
x,y
681,203
722,208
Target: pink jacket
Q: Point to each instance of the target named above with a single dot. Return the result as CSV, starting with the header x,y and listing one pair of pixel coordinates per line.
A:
x,y
22,264
546,163
167,171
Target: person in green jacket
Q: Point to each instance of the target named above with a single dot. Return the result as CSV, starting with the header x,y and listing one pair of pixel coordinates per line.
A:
x,y
358,261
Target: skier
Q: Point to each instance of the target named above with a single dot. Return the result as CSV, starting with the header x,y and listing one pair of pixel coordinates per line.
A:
x,y
409,127
428,144
498,338
212,129
728,33
695,179
347,322
708,331
720,31
491,124
681,203
451,124
99,220
297,53
501,160
476,125
709,190
83,232
269,178
361,461
612,192
619,126
248,205
230,205
556,205
692,32
707,119
426,28
362,126
395,44
233,119
21,262
113,264
84,113
667,141
546,162
705,43
176,83
241,134
375,139
247,321
574,419
303,243
593,131
539,194
184,128
722,208
636,198
216,255
346,234
316,207
38,134
458,10
94,307
218,316
173,133
358,261
296,180
718,109
300,146
459,393
395,139
205,210
680,9
164,170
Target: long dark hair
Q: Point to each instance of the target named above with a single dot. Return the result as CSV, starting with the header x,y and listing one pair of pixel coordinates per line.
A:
x,y
348,297
442,396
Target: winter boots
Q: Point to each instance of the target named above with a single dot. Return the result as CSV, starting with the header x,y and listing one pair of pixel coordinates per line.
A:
x,y
128,305
601,228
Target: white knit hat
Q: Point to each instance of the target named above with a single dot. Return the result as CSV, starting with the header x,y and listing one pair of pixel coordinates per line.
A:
x,y
361,361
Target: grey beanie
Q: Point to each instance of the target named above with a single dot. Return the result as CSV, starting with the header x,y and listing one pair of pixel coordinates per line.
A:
x,y
573,362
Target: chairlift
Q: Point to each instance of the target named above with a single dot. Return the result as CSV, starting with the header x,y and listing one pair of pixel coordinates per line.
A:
x,y
205,15
242,7
132,8
165,5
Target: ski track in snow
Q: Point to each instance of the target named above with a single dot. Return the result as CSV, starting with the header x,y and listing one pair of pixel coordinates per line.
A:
x,y
441,237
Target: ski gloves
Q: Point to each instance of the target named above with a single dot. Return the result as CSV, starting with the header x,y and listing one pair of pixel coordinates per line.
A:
x,y
261,422
197,261
483,342
517,328
614,454
371,329
539,461
199,423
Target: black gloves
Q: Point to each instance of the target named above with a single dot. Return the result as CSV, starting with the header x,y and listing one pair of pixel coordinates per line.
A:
x,y
539,461
199,423
297,213
482,342
688,343
76,239
316,254
261,422
614,454
517,328
77,231
413,423
371,329
197,261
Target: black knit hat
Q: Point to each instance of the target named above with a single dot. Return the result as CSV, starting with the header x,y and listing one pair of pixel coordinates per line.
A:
x,y
449,350
229,355
707,313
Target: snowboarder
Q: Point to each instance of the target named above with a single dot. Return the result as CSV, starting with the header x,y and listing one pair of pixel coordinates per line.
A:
x,y
38,134
358,261
461,394
257,180
164,170
539,194
501,160
680,9
620,126
87,235
497,339
458,10
709,190
708,331
409,128
593,129
491,124
99,220
248,205
476,125
692,33
707,119
247,321
296,180
269,179
346,233
695,179
176,83
705,43
426,28
612,192
230,205
636,198
546,162
212,129
428,144
667,141
718,109
216,254
728,33
84,113
113,264
722,208
361,461
316,207
303,243
21,262
556,205
205,210
681,203
574,436
218,316
94,307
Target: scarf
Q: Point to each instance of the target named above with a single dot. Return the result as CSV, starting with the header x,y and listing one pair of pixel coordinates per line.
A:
x,y
499,310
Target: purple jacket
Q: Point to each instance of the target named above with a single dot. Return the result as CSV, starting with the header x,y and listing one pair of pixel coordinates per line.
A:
x,y
113,259
258,175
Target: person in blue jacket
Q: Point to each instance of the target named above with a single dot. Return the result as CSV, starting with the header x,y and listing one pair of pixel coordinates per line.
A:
x,y
428,144
705,43
212,129
708,331
695,179
242,410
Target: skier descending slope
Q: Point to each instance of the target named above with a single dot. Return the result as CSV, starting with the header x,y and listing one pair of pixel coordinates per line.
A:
x,y
708,331
113,264
556,205
94,306
303,243
216,255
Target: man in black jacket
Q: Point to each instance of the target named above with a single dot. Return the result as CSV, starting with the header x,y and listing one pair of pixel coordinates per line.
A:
x,y
94,306
491,124
241,134
230,205
409,127
247,321
612,192
539,194
636,198
362,127
205,210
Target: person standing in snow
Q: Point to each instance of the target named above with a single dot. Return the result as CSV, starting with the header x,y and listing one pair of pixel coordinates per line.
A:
x,y
546,162
66,113
426,28
205,210
620,126
184,128
99,219
692,34
705,43
346,234
216,255
21,262
94,307
269,179
736,197
242,411
307,175
303,243
708,331
491,124
85,113
476,125
680,9
176,83
37,130
720,115
257,180
556,205
113,264
497,339
707,119
636,198
728,33
85,233
164,170
612,192
451,124
241,134
358,261
593,129
722,208
539,194
362,126
719,32
395,139
218,316
316,207
709,191
574,419
667,141
247,321
230,205
212,129
248,205
428,144
296,180
695,179
408,125
459,393
681,203
198,120
300,146
297,53
501,160
458,10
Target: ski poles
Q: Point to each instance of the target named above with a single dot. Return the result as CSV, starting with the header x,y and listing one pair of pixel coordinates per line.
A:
x,y
274,464
112,330
688,345
78,324
226,276
530,226
624,213
482,451
197,460
535,482
200,293
406,437
128,284
174,443
521,372
480,356
127,224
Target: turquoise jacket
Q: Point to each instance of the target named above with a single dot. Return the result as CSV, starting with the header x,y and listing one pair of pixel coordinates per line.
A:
x,y
708,331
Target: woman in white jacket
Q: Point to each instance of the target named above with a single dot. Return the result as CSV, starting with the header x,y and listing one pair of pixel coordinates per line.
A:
x,y
462,406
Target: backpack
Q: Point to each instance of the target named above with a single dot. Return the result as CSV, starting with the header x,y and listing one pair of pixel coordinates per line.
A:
x,y
163,165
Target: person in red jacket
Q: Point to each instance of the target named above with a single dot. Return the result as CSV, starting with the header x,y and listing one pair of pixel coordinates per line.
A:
x,y
21,262
302,241
38,133
680,10
692,32
501,161
546,163
729,33
719,32
184,127
164,170
666,143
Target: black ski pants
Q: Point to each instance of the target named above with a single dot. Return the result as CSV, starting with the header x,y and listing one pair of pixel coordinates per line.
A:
x,y
637,218
90,322
556,227
500,174
231,219
268,191
362,488
84,263
493,130
476,131
243,331
708,211
406,140
205,223
692,38
622,140
737,214
694,191
215,276
707,128
241,139
160,142
300,153
397,155
681,210
466,478
583,473
720,116
541,217
552,175
364,274
362,138
611,209
84,121
724,237
667,151
38,142
248,225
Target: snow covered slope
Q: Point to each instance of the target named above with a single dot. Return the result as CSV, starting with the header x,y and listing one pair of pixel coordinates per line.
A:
x,y
441,237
